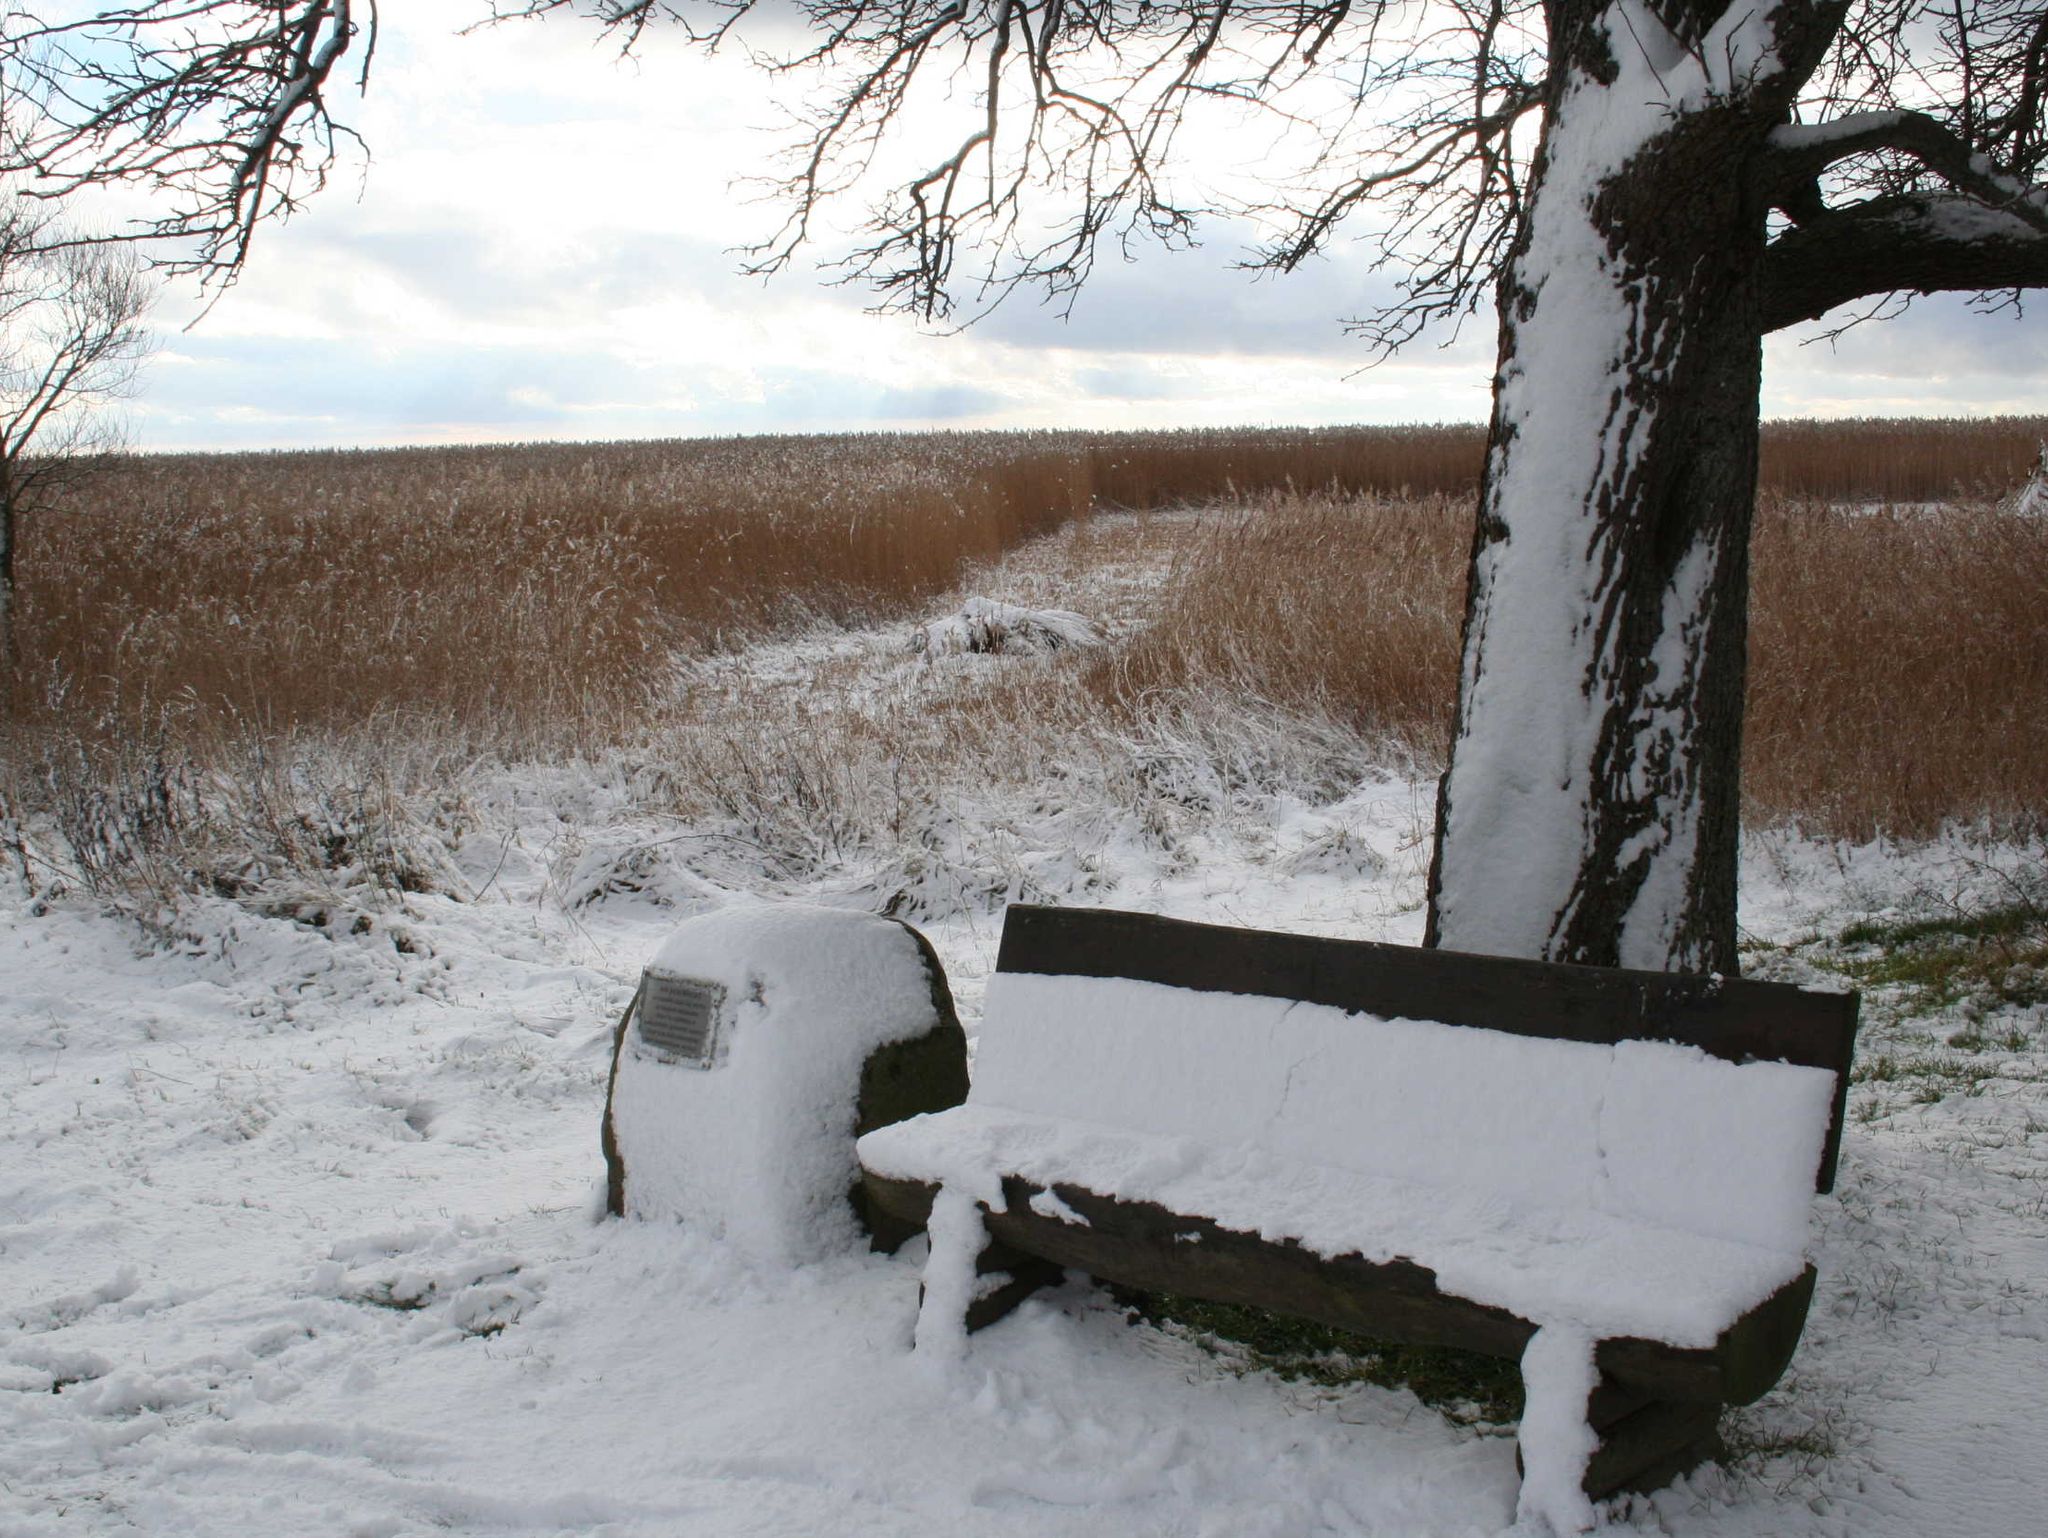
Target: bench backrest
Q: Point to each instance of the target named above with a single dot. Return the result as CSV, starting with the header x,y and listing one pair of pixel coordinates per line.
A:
x,y
1702,1104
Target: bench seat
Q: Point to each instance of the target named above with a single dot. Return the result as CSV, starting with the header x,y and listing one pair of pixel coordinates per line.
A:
x,y
1614,1276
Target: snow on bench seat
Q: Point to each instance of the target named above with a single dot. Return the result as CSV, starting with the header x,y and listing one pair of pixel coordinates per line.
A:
x,y
1613,1277
1640,1189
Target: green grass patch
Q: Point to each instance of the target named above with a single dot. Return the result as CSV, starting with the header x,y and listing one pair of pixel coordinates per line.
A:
x,y
1996,954
1464,1386
1977,926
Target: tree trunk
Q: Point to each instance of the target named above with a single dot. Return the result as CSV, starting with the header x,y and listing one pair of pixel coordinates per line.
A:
x,y
9,649
1590,810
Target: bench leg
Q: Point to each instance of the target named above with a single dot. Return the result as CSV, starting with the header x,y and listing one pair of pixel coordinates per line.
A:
x,y
1005,1277
1646,1443
970,1279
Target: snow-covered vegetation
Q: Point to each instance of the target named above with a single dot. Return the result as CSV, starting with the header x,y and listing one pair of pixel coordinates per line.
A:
x,y
304,1024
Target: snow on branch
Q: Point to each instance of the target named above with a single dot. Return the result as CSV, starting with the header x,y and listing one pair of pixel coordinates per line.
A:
x,y
218,107
1800,153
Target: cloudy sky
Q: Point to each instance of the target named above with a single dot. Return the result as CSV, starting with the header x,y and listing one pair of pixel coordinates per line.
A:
x,y
542,248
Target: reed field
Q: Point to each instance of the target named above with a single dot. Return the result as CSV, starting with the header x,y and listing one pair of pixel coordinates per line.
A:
x,y
295,656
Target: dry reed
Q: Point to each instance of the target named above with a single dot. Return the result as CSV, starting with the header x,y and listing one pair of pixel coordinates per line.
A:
x,y
1898,668
1898,658
1343,606
1883,460
531,594
530,599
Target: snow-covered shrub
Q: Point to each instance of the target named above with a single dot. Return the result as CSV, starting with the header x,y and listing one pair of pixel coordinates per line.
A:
x,y
317,828
983,625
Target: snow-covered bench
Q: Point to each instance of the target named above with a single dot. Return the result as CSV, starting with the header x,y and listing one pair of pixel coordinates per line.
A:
x,y
1605,1175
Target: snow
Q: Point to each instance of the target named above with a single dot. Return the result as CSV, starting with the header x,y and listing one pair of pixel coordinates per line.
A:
x,y
1965,219
1644,1130
301,1233
1559,1375
2031,500
1669,845
1717,1148
956,1237
759,1148
1850,125
1643,1189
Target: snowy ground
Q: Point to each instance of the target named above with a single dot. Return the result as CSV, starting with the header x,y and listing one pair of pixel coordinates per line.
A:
x,y
299,1224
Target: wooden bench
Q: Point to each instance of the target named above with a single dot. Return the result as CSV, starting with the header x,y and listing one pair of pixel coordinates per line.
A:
x,y
1417,1146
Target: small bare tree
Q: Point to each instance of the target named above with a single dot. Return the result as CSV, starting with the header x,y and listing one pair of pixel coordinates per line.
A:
x,y
71,341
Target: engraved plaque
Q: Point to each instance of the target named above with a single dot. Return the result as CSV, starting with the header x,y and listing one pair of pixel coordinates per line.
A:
x,y
679,1017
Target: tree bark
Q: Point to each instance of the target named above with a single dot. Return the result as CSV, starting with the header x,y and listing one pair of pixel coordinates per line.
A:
x,y
1590,809
10,653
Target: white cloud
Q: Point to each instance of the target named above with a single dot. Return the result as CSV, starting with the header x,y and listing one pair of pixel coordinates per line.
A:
x,y
541,248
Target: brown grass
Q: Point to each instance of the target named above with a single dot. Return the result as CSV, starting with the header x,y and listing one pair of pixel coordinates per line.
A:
x,y
529,600
1898,659
280,617
1899,668
1344,606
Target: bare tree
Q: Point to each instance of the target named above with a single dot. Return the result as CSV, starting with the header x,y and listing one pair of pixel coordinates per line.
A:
x,y
71,341
1642,188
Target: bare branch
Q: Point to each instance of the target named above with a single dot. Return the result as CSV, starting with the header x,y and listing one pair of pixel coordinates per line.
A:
x,y
1059,123
1912,244
219,107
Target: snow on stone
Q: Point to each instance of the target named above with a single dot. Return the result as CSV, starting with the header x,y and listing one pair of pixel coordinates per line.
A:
x,y
759,1148
985,625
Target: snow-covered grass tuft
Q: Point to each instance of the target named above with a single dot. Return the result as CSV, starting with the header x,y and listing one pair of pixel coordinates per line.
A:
x,y
988,626
1948,944
318,827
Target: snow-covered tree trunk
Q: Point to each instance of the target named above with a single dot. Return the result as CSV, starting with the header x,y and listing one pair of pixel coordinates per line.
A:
x,y
1589,812
6,564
